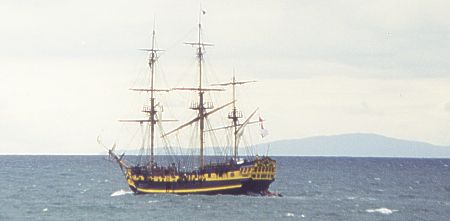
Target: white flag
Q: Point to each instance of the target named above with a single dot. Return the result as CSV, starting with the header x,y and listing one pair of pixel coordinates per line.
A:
x,y
264,132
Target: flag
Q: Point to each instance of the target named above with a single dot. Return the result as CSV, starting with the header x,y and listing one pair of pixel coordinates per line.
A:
x,y
263,132
203,11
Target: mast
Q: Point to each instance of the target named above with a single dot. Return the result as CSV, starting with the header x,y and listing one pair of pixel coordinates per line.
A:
x,y
235,119
235,114
150,109
152,122
201,107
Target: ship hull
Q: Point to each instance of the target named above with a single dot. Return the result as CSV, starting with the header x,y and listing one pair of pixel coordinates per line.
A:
x,y
234,187
223,178
247,178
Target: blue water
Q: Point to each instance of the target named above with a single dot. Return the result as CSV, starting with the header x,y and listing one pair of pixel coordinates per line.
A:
x,y
314,188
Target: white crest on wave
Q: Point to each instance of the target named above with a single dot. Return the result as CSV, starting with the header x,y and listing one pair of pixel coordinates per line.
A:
x,y
121,192
383,210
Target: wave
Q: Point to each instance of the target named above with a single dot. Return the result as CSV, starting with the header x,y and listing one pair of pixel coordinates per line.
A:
x,y
289,215
121,192
293,215
383,210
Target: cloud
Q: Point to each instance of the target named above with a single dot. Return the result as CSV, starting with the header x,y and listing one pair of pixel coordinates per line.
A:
x,y
377,39
339,66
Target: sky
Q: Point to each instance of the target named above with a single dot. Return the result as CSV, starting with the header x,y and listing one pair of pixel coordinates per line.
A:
x,y
322,67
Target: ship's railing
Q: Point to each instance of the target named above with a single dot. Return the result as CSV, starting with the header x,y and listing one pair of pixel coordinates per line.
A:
x,y
232,115
207,105
261,169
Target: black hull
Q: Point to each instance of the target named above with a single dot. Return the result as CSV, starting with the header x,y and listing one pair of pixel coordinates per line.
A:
x,y
256,186
251,177
233,187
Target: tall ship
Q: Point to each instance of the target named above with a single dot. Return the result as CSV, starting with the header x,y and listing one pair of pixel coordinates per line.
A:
x,y
225,172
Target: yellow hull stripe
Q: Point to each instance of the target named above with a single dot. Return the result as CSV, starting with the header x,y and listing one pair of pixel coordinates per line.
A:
x,y
198,190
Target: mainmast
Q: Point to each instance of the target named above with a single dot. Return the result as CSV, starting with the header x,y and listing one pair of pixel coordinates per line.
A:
x,y
152,111
201,106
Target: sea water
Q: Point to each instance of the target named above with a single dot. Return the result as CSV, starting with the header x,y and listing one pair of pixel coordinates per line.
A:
x,y
313,188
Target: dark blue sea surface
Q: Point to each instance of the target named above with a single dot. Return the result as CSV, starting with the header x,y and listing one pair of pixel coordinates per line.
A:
x,y
314,188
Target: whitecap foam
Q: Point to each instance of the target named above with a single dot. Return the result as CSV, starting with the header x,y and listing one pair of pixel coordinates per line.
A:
x,y
290,215
45,210
152,201
383,210
121,192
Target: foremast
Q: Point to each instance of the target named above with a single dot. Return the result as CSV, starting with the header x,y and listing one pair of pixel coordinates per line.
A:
x,y
150,109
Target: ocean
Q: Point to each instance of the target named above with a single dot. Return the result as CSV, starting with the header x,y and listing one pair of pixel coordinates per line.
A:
x,y
313,188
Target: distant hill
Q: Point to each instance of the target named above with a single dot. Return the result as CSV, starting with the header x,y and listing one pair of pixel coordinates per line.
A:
x,y
356,145
351,145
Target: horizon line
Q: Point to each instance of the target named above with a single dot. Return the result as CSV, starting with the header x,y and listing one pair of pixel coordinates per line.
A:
x,y
276,155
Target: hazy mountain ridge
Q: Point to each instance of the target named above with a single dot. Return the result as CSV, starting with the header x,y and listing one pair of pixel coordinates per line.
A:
x,y
356,145
351,145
